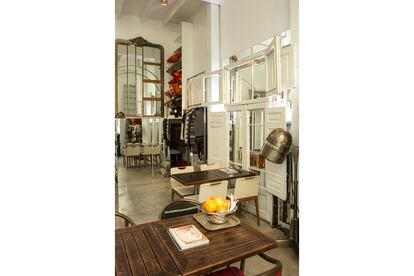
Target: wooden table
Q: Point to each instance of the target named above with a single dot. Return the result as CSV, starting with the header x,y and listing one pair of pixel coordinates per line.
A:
x,y
148,249
202,177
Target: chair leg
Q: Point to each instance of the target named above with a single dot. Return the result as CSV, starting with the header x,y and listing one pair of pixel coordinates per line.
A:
x,y
242,265
256,202
172,195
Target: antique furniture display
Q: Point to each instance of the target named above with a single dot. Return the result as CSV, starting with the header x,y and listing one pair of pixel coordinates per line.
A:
x,y
139,78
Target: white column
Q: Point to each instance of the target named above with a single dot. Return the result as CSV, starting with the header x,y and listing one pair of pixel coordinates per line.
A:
x,y
294,27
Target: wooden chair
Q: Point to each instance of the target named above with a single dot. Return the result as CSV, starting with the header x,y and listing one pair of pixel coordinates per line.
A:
x,y
206,167
180,207
247,189
178,188
210,189
127,220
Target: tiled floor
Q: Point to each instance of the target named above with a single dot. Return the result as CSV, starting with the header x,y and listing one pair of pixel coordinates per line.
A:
x,y
141,194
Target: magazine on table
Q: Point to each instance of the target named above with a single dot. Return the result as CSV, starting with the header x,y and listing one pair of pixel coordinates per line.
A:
x,y
229,170
188,236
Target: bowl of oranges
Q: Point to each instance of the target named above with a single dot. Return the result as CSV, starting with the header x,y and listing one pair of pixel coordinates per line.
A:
x,y
217,209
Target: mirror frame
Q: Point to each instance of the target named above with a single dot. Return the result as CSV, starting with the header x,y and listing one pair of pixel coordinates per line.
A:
x,y
139,42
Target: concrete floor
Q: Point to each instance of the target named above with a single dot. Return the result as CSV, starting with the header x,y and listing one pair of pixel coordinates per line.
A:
x,y
141,194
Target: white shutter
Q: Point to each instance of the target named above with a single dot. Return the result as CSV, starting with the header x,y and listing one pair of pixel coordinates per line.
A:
x,y
273,67
218,138
287,67
276,173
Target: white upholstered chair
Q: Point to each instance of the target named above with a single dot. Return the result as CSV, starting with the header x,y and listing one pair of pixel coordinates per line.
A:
x,y
178,188
131,153
210,189
247,189
156,153
206,167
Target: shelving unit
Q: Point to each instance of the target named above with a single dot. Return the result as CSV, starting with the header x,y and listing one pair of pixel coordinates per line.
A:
x,y
173,95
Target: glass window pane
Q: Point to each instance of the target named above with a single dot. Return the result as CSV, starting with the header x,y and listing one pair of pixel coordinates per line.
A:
x,y
241,83
259,79
131,99
235,136
152,108
152,72
244,83
152,54
152,90
257,136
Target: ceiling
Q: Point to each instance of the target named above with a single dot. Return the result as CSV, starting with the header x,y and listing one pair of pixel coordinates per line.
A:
x,y
175,12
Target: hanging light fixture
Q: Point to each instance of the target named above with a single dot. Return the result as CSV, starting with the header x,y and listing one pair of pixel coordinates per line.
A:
x,y
164,2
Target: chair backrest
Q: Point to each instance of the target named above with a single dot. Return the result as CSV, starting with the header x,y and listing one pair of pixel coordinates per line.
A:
x,y
247,187
146,150
132,150
179,208
206,167
127,220
212,189
178,170
156,149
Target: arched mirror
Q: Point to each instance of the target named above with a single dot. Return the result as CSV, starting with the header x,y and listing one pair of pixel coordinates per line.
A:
x,y
139,78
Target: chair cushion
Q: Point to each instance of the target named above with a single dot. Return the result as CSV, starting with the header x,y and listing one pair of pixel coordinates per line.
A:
x,y
175,184
231,271
184,191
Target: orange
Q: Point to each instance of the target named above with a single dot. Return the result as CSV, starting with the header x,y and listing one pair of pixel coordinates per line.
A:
x,y
213,198
219,201
210,205
222,209
226,204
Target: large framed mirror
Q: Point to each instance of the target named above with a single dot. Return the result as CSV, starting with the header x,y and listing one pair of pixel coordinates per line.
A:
x,y
139,78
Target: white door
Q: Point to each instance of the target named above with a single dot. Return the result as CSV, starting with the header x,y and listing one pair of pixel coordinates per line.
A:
x,y
276,173
218,138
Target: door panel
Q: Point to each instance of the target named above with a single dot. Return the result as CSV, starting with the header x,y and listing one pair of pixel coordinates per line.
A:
x,y
276,173
218,138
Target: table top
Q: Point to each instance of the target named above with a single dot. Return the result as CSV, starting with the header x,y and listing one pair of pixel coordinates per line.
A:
x,y
202,177
148,249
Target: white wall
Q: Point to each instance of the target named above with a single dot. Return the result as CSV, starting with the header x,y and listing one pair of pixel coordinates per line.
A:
x,y
244,23
200,40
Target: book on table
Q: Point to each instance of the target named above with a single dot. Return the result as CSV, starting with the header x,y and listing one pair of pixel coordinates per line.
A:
x,y
229,170
188,236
